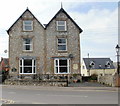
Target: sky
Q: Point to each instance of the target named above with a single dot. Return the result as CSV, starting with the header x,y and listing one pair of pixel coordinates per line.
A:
x,y
97,18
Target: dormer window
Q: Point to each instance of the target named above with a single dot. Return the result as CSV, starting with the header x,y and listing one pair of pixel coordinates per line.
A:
x,y
108,64
100,66
61,25
27,25
92,64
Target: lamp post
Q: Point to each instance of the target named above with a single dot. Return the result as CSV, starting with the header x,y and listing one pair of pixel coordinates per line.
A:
x,y
117,51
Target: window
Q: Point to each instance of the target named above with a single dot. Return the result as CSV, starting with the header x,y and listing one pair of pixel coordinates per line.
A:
x,y
27,44
107,64
83,67
62,44
61,26
27,66
92,64
100,66
62,66
28,25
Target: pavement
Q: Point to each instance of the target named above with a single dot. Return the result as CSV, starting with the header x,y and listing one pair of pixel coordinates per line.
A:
x,y
87,84
87,88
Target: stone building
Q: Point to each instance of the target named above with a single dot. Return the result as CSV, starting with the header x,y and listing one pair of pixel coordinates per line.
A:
x,y
36,49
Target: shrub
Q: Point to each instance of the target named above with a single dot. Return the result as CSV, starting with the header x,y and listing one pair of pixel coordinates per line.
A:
x,y
4,75
93,77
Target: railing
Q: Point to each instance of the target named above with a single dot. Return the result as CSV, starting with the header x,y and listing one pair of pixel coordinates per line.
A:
x,y
43,77
39,79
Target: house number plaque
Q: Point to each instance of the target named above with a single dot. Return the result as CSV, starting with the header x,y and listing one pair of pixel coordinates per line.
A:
x,y
14,69
75,66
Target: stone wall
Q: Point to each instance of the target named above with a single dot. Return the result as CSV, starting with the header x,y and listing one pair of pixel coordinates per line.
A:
x,y
36,83
47,77
107,79
111,80
43,80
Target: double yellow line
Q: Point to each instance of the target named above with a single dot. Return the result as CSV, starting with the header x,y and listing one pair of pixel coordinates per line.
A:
x,y
6,101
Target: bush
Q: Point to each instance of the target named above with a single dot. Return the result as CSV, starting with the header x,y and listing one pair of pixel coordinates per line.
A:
x,y
93,77
4,75
75,75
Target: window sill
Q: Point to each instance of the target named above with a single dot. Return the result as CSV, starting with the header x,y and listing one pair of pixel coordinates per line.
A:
x,y
62,73
27,30
61,31
26,73
29,51
27,36
62,51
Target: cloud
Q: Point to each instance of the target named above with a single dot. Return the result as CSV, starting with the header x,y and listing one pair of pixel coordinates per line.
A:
x,y
100,32
3,45
99,24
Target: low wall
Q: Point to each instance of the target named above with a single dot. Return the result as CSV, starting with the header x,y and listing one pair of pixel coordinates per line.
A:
x,y
111,80
36,83
43,79
107,79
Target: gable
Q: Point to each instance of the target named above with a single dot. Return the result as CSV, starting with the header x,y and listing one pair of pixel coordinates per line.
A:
x,y
64,15
27,14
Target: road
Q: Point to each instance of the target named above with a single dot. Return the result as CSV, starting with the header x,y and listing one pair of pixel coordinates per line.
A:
x,y
59,95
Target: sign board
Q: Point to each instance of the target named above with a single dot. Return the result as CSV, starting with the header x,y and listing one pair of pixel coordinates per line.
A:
x,y
75,66
14,69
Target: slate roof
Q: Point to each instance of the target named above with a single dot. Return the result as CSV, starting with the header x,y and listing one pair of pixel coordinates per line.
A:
x,y
98,62
62,10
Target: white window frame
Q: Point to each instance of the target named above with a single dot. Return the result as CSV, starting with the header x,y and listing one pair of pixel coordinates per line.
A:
x,y
65,44
93,66
22,66
68,66
24,45
61,25
108,66
27,25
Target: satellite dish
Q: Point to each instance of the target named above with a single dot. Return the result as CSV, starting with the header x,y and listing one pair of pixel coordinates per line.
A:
x,y
70,56
5,51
